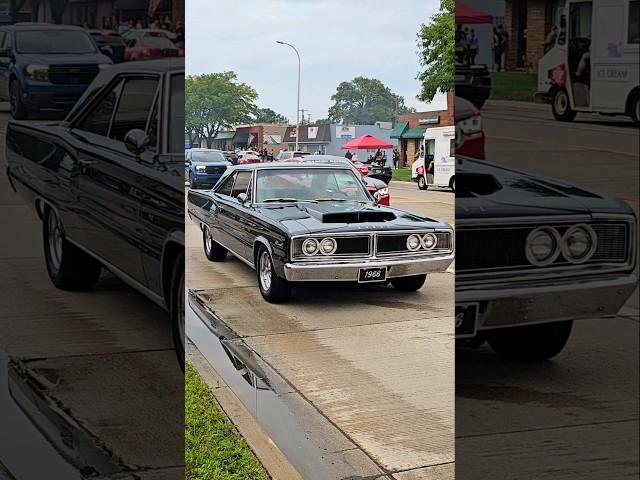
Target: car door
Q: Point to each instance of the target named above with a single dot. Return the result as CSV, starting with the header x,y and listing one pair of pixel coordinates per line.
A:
x,y
216,216
109,183
236,215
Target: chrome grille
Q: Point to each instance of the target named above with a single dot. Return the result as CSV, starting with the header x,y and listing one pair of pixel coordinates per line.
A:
x,y
212,169
72,74
398,243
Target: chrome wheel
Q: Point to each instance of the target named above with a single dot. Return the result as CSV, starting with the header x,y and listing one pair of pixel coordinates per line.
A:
x,y
207,239
264,266
54,242
561,102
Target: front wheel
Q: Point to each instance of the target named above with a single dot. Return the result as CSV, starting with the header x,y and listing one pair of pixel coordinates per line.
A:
x,y
69,267
532,342
192,182
422,182
17,106
273,288
176,308
452,184
212,249
561,106
409,284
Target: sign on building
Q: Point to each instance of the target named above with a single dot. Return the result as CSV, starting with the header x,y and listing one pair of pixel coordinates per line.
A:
x,y
312,133
429,120
342,131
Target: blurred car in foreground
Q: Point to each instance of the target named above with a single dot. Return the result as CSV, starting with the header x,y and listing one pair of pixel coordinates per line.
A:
x,y
245,157
150,47
533,255
205,167
46,68
286,154
108,184
473,83
110,43
469,133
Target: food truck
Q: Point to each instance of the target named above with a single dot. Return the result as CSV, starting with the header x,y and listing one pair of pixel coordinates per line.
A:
x,y
593,66
438,146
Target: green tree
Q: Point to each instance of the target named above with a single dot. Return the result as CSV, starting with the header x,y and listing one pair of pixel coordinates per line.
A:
x,y
436,51
266,115
322,121
364,101
215,101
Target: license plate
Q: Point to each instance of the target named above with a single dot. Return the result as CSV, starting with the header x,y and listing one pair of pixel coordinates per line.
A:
x,y
372,275
466,319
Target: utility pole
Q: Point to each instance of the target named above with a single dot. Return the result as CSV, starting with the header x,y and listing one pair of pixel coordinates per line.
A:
x,y
302,110
308,119
298,107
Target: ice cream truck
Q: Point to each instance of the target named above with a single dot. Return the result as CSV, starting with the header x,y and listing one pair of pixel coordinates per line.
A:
x,y
436,165
593,66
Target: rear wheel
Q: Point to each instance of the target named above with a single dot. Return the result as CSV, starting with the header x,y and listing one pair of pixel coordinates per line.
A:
x,y
452,184
18,108
635,110
422,182
69,267
273,288
561,106
212,249
409,284
531,343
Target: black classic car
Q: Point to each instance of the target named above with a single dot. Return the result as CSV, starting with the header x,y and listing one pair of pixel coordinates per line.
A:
x,y
315,222
108,183
473,82
534,254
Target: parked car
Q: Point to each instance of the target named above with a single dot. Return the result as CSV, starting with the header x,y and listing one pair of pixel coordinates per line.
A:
x,y
205,167
231,156
245,158
381,172
285,154
301,222
110,43
377,188
46,68
535,254
150,47
469,133
473,83
108,184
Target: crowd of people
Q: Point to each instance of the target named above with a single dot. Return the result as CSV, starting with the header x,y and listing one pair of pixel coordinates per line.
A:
x,y
467,45
123,27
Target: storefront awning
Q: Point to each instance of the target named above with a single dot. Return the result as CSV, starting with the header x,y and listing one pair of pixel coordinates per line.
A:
x,y
398,129
413,133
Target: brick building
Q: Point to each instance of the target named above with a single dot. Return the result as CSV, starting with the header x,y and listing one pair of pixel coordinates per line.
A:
x,y
528,22
409,129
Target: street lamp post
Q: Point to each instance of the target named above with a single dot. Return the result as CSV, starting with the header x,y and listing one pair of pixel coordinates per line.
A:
x,y
298,106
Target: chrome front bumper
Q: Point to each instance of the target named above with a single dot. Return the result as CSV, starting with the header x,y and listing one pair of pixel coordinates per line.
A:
x,y
508,304
348,271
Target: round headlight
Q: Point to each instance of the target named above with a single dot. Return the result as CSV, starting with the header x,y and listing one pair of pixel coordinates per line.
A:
x,y
328,246
542,246
413,242
310,246
429,241
578,243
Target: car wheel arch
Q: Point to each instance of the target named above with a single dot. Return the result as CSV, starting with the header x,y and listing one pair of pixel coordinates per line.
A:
x,y
261,242
630,98
173,247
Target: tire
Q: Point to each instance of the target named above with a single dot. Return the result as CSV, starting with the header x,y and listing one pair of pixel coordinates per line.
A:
x,y
635,110
561,106
69,267
176,308
212,249
409,284
531,343
18,108
273,288
452,184
192,182
422,182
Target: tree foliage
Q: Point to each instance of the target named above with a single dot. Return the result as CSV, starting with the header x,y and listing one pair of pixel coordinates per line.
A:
x,y
215,101
364,101
266,115
436,51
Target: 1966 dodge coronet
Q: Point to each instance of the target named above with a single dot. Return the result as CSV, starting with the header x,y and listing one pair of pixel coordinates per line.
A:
x,y
534,254
300,222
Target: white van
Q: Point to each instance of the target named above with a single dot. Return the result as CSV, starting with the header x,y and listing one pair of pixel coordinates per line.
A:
x,y
594,65
439,145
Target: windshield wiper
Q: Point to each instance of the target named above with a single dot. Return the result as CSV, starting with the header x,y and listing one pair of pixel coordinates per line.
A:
x,y
287,200
339,200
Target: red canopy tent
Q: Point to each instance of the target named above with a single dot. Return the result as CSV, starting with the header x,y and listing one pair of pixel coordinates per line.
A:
x,y
466,14
368,142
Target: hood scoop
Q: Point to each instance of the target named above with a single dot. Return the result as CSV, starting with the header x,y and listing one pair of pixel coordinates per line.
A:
x,y
476,184
354,216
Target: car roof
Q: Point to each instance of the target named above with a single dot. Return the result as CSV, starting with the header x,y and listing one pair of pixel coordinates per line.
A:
x,y
289,166
203,150
41,26
153,66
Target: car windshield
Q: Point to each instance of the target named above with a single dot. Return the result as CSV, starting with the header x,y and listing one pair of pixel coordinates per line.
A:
x,y
309,184
207,157
54,42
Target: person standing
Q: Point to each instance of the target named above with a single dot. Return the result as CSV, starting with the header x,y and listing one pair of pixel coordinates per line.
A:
x,y
460,45
504,42
497,51
348,155
472,48
550,40
396,158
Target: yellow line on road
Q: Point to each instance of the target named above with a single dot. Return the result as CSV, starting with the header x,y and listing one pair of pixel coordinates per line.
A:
x,y
567,145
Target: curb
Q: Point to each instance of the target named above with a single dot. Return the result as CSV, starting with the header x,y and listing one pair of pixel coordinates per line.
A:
x,y
271,457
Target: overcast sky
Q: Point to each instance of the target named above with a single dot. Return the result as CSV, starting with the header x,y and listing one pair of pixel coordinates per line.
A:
x,y
338,40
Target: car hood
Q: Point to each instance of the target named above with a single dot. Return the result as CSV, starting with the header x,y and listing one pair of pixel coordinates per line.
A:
x,y
484,190
335,217
85,59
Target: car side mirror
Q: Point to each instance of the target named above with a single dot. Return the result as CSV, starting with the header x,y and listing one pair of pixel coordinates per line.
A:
x,y
243,198
136,141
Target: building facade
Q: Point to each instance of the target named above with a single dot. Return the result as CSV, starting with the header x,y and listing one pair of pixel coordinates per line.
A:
x,y
409,129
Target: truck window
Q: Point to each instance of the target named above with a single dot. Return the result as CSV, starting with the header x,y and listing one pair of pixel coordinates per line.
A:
x,y
633,35
452,147
134,106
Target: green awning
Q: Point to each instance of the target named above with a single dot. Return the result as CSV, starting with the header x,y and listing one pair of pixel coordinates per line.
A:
x,y
398,129
413,133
